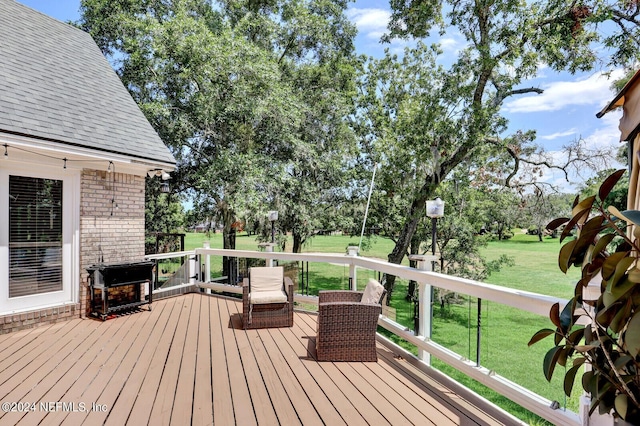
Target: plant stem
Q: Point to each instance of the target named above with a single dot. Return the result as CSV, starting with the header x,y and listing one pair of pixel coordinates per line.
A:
x,y
613,368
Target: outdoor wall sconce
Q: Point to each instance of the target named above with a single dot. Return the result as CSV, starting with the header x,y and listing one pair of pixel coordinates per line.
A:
x,y
160,173
273,216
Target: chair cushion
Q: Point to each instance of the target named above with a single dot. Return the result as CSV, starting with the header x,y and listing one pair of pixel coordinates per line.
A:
x,y
372,292
266,278
262,297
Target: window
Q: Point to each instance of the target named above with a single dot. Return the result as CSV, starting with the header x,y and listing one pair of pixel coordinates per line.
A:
x,y
35,236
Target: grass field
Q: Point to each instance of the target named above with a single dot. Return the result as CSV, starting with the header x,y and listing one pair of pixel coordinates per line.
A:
x,y
505,331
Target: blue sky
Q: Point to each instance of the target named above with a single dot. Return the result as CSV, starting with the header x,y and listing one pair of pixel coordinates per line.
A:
x,y
565,111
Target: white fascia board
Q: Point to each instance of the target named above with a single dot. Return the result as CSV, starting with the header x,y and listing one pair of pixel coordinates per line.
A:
x,y
77,156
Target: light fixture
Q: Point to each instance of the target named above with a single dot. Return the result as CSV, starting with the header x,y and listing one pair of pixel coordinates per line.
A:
x,y
65,163
273,216
6,154
435,208
159,173
109,167
164,187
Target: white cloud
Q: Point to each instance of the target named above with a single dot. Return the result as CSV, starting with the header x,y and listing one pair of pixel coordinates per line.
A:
x,y
452,44
608,135
605,136
593,90
559,134
370,22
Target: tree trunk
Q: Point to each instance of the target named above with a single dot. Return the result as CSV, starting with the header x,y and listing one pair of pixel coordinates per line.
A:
x,y
229,268
540,233
297,242
431,183
402,244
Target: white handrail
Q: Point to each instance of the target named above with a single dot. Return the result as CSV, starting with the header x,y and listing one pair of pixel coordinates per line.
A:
x,y
539,304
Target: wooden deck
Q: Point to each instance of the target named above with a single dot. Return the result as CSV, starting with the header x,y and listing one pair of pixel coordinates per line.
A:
x,y
189,362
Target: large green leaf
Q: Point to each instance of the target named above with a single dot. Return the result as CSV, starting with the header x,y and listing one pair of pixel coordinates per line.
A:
x,y
632,216
584,205
578,219
605,316
586,237
611,263
620,273
588,382
622,405
622,362
575,336
541,334
570,378
575,201
609,183
566,316
621,317
602,244
554,314
629,216
631,337
565,257
550,361
555,223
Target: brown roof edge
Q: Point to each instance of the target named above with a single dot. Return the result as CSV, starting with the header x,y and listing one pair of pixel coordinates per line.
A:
x,y
619,99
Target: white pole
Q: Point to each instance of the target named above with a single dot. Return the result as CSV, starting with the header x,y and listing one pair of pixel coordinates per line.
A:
x,y
366,211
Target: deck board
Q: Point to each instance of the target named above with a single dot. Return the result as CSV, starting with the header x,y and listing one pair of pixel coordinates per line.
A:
x,y
264,404
202,402
243,406
222,400
90,376
126,398
188,361
163,403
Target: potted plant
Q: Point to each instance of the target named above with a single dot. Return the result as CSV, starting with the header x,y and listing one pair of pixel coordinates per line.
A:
x,y
599,335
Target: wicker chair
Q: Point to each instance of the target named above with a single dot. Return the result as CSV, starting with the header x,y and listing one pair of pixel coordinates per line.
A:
x,y
267,299
346,329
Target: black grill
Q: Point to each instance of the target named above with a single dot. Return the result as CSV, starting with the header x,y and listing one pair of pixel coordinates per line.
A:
x,y
104,277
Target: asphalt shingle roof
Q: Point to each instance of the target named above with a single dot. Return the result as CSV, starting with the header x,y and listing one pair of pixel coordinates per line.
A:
x,y
56,84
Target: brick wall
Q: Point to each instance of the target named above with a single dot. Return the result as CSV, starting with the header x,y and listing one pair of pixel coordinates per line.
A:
x,y
16,322
111,222
109,231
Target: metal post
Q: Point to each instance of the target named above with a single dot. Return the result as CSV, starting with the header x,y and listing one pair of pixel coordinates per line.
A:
x,y
479,332
273,232
307,278
434,222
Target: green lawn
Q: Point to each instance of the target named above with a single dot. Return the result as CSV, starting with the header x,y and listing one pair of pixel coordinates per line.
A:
x,y
505,330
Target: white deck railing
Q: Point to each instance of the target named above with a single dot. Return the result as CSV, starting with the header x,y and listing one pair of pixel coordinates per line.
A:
x,y
523,300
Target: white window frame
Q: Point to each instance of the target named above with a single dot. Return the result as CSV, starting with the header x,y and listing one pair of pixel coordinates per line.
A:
x,y
70,238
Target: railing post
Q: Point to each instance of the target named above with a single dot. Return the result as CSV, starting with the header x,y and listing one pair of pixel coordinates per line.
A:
x,y
425,303
353,275
192,271
207,266
268,247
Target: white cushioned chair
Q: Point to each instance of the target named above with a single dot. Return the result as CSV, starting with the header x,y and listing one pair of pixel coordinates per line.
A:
x,y
267,298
